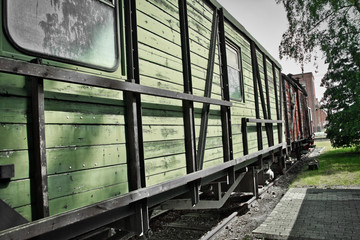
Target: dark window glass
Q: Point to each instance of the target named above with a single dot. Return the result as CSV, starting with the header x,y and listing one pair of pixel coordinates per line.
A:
x,y
80,31
234,72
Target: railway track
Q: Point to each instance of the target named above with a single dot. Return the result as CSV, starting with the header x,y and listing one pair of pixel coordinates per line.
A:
x,y
193,224
206,225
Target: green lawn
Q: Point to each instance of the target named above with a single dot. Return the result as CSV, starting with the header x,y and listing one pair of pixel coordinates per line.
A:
x,y
336,167
326,144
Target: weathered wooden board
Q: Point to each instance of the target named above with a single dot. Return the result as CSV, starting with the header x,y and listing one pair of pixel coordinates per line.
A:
x,y
152,55
13,109
81,181
16,193
162,177
66,203
165,164
13,85
158,149
165,132
213,162
163,117
16,137
83,135
63,112
25,211
21,161
169,75
64,160
53,87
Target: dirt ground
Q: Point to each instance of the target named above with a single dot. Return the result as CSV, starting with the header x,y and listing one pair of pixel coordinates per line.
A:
x,y
241,227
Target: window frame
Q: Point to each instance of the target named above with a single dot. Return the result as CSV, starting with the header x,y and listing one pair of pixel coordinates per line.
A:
x,y
28,52
237,49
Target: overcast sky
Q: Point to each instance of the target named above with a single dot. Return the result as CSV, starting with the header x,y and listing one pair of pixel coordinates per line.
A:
x,y
267,22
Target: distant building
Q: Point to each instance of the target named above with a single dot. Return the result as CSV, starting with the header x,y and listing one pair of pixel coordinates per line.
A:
x,y
318,115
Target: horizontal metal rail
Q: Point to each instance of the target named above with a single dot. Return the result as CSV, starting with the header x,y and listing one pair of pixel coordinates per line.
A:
x,y
253,120
52,223
70,76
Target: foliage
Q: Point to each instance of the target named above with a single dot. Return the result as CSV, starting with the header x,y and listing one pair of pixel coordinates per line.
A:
x,y
333,26
337,167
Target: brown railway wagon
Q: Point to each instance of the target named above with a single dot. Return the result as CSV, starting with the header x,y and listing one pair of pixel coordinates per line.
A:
x,y
298,121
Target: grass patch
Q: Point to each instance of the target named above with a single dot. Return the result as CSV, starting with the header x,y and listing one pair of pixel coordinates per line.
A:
x,y
326,144
337,167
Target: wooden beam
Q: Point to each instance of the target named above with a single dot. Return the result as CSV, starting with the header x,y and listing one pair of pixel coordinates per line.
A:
x,y
188,106
225,111
258,79
40,184
62,75
277,101
256,94
244,136
286,115
139,222
207,93
266,87
269,126
300,114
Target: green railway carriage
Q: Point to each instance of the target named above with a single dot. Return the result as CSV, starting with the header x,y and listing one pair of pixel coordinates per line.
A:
x,y
109,108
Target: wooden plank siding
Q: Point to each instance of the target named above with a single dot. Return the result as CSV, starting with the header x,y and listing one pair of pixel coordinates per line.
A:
x,y
86,157
83,139
163,66
280,102
245,108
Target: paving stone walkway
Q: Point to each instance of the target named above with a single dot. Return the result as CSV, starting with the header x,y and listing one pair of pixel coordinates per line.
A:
x,y
307,213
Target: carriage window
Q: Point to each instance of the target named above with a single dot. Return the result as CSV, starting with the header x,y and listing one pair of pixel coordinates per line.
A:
x,y
234,72
80,32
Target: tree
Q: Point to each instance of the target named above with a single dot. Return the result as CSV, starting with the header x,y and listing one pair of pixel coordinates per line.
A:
x,y
333,27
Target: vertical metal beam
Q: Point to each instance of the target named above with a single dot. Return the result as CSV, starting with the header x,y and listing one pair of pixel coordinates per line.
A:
x,y
299,110
266,87
256,94
286,115
295,122
225,111
280,95
40,185
269,126
244,136
258,78
277,101
207,92
139,223
188,106
255,182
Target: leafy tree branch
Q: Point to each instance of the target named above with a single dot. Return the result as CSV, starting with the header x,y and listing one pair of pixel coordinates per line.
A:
x,y
333,26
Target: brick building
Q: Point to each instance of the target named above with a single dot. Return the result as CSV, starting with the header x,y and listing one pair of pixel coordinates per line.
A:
x,y
318,115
